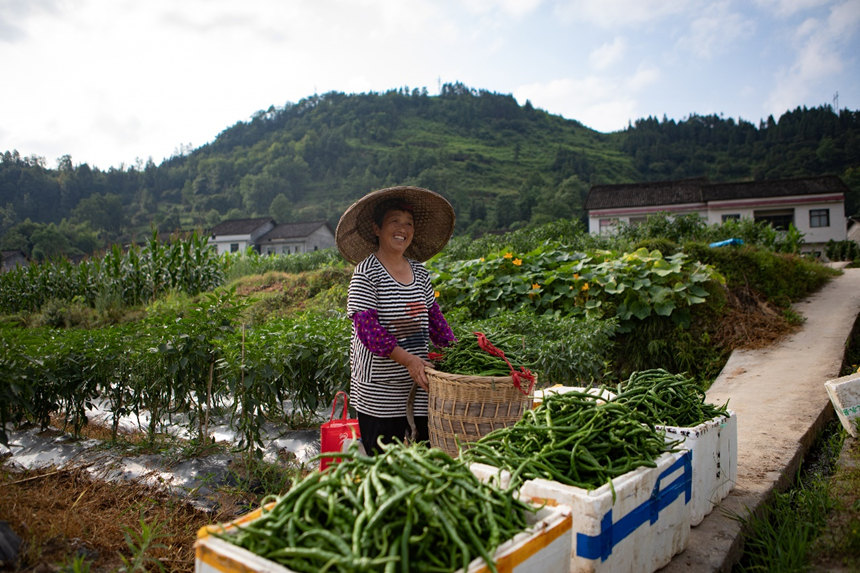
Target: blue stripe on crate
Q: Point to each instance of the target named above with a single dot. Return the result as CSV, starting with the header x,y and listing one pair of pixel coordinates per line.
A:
x,y
611,534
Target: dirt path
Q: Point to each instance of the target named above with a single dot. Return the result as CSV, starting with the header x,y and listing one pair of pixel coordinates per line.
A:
x,y
779,397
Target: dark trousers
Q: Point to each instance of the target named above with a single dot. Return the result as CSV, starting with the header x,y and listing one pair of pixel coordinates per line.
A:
x,y
386,429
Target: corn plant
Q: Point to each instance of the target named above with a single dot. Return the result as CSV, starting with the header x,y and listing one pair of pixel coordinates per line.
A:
x,y
130,277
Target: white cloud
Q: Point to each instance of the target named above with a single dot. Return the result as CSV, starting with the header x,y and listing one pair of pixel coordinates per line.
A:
x,y
644,77
786,8
818,61
844,20
612,14
716,29
515,8
601,103
126,78
608,54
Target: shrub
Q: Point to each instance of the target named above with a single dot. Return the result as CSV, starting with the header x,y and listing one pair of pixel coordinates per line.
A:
x,y
780,277
666,247
842,250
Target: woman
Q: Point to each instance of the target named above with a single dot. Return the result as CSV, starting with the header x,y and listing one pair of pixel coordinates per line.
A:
x,y
387,234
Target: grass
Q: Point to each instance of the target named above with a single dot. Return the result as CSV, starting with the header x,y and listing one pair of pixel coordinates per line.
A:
x,y
839,544
814,526
780,537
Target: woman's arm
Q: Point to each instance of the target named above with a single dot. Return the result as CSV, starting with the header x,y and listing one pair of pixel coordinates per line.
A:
x,y
440,332
382,343
414,364
372,334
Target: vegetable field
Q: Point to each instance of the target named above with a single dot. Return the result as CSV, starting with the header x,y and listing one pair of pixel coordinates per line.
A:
x,y
196,347
169,340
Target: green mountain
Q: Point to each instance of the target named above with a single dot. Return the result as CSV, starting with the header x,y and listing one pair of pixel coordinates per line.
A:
x,y
501,164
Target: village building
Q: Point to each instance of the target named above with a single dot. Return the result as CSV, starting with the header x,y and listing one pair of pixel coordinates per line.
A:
x,y
814,205
267,237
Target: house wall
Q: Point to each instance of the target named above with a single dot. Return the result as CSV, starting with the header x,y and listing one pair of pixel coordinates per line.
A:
x,y
320,239
801,206
632,215
223,242
714,211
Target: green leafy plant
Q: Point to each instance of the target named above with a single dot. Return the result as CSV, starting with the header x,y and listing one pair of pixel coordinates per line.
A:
x,y
142,543
629,286
76,564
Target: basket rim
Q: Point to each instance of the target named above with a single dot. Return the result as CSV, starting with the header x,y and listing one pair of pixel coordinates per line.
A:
x,y
458,377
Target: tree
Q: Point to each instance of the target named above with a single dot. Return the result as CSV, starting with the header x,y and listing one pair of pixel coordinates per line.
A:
x,y
102,212
258,192
281,208
49,243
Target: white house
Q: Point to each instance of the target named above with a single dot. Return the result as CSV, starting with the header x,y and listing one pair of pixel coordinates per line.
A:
x,y
236,235
814,205
269,238
297,238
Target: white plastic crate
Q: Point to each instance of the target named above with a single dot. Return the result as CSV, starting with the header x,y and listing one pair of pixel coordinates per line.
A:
x,y
543,548
635,530
844,393
600,393
714,447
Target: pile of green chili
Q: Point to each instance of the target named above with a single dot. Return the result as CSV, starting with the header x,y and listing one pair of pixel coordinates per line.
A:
x,y
410,508
466,357
573,438
667,399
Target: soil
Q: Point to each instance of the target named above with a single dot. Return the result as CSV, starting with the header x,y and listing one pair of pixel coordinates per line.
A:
x,y
75,512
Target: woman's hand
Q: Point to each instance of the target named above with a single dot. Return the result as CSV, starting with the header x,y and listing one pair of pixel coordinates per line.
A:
x,y
414,364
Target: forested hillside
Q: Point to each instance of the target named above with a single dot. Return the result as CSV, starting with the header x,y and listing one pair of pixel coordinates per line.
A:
x,y
501,164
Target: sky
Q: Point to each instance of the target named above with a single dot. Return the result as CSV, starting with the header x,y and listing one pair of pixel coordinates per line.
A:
x,y
114,83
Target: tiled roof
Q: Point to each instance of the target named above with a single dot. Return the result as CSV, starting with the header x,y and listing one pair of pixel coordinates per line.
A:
x,y
700,191
775,188
240,226
293,230
645,194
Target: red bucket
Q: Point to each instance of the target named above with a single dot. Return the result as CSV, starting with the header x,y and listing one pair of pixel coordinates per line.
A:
x,y
336,431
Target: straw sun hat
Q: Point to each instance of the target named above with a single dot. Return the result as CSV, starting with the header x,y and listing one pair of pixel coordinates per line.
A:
x,y
432,214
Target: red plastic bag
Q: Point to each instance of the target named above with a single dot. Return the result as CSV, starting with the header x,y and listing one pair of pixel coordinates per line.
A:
x,y
336,431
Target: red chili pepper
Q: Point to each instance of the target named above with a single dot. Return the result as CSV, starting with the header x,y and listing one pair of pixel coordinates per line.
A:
x,y
486,346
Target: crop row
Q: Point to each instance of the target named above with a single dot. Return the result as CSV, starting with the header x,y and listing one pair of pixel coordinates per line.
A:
x,y
128,277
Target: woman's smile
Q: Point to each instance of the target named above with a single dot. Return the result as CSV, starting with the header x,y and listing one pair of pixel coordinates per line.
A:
x,y
397,230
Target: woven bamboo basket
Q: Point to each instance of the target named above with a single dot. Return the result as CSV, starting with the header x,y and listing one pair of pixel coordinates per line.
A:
x,y
465,408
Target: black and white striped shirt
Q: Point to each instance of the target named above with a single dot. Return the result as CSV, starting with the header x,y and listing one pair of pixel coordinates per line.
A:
x,y
379,386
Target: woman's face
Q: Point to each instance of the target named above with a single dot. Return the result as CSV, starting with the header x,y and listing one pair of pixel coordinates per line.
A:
x,y
395,234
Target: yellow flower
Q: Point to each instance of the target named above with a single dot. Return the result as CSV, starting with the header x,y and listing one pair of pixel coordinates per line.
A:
x,y
575,277
535,286
517,262
585,286
509,255
436,293
482,259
